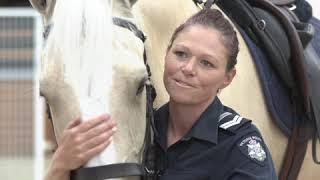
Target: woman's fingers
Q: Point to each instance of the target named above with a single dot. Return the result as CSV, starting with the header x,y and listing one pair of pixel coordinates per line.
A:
x,y
97,135
99,129
96,150
99,139
73,123
91,123
83,140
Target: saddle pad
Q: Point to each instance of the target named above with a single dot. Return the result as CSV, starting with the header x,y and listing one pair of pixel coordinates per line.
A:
x,y
276,95
313,70
316,39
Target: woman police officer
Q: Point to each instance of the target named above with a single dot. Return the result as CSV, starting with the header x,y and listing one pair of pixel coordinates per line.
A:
x,y
199,138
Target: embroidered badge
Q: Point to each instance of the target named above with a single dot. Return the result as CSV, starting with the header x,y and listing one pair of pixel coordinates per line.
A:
x,y
253,148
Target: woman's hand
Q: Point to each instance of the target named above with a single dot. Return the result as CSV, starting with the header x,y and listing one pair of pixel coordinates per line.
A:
x,y
79,142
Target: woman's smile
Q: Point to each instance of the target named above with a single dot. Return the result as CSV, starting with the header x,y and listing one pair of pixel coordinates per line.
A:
x,y
195,66
183,84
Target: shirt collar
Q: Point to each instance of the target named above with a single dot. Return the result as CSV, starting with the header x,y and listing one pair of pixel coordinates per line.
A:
x,y
161,117
206,128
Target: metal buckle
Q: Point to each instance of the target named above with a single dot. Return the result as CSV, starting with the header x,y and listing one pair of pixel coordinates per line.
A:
x,y
292,7
262,24
149,172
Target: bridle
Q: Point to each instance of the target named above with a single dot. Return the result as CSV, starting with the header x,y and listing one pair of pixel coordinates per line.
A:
x,y
147,168
207,4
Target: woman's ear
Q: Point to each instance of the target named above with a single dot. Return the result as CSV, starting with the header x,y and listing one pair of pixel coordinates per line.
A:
x,y
229,77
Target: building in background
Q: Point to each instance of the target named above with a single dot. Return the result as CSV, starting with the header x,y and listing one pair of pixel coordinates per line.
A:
x,y
18,41
15,3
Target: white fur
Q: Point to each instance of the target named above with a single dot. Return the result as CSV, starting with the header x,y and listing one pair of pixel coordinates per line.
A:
x,y
80,29
90,67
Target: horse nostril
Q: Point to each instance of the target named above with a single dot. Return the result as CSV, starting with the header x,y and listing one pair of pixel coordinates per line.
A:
x,y
141,85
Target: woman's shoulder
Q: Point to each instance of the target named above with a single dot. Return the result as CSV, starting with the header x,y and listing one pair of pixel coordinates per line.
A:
x,y
240,128
246,139
232,121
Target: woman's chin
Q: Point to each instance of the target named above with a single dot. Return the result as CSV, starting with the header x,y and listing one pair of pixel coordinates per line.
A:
x,y
182,99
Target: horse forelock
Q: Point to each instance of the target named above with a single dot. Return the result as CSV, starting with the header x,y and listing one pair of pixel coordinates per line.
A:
x,y
80,40
77,54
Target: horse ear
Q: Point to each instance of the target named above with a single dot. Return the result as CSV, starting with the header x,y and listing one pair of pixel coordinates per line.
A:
x,y
39,5
45,7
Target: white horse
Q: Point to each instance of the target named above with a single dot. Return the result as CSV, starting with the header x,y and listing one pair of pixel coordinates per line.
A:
x,y
90,66
76,60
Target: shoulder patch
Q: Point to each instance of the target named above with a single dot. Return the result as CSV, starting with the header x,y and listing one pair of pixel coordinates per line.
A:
x,y
253,148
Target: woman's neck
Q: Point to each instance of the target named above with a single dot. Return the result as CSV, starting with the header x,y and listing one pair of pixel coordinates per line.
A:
x,y
182,117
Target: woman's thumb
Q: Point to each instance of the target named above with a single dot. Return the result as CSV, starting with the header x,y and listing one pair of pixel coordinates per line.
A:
x,y
74,123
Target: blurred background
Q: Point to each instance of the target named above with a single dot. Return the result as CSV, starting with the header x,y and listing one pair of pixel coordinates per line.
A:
x,y
19,34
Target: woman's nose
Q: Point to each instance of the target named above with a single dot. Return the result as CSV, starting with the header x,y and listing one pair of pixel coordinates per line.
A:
x,y
189,67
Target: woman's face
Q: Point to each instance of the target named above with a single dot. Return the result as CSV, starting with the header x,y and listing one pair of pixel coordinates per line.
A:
x,y
195,66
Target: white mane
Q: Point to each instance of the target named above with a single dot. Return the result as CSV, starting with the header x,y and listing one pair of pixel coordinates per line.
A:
x,y
82,37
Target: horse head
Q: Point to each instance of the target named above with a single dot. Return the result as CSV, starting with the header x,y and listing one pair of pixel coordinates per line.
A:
x,y
90,66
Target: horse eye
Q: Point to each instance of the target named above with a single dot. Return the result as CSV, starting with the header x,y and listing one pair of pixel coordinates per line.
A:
x,y
141,86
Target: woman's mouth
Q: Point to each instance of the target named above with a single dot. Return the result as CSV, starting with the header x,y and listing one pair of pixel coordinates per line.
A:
x,y
182,84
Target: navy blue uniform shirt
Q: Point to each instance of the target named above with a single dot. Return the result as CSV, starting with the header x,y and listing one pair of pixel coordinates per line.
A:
x,y
221,145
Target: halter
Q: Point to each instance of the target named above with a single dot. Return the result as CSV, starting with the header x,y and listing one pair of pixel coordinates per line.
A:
x,y
207,4
147,168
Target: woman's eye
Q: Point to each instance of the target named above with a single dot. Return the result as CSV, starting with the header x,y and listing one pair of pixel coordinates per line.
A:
x,y
206,64
180,54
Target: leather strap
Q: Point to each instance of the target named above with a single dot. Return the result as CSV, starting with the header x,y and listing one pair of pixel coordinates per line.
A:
x,y
305,30
315,140
209,3
288,159
296,150
130,26
283,2
301,144
108,171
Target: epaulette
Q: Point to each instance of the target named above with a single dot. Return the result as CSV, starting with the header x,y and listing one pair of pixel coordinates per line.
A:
x,y
232,121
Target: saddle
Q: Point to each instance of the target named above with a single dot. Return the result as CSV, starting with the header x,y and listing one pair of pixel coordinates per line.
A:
x,y
282,37
273,31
